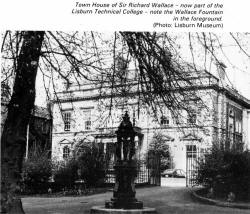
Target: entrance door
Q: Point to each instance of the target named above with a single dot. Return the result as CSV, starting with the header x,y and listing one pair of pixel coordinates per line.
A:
x,y
191,164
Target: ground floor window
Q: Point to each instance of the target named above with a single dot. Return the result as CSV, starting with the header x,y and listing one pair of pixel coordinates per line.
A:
x,y
66,152
191,151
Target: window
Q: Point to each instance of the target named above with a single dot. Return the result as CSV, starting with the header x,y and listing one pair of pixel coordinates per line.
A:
x,y
231,113
178,119
231,132
191,118
191,151
66,152
234,129
88,125
164,120
67,120
238,126
87,119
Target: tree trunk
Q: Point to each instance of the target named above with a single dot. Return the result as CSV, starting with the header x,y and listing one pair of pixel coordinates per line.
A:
x,y
14,133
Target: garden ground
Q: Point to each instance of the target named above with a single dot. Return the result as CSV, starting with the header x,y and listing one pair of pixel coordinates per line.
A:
x,y
164,199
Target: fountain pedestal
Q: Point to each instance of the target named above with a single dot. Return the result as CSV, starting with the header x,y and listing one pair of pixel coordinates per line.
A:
x,y
123,200
124,191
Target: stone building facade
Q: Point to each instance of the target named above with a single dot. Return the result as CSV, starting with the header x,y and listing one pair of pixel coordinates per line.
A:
x,y
82,114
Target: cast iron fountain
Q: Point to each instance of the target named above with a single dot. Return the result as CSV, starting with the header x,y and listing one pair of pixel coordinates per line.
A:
x,y
124,200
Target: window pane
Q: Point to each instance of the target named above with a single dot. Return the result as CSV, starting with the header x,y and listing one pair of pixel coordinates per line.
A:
x,y
67,121
87,119
164,120
191,151
66,152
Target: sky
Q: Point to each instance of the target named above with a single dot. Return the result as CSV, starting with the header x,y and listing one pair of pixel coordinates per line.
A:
x,y
237,62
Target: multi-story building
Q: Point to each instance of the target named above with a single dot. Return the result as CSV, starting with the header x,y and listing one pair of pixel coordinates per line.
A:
x,y
82,113
39,130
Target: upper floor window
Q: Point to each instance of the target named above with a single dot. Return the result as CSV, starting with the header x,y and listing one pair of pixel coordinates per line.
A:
x,y
164,120
234,121
178,119
191,118
231,113
67,121
66,152
88,125
238,124
87,119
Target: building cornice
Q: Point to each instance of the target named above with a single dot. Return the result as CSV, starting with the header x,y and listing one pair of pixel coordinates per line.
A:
x,y
235,96
129,94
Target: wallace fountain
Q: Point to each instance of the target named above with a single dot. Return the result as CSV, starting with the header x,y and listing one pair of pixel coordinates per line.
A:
x,y
124,200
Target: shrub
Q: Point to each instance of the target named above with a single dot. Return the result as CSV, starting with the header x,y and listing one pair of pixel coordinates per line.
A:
x,y
36,172
225,172
91,164
65,175
87,164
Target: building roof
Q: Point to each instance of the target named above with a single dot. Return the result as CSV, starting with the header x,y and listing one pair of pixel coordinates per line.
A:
x,y
200,80
236,96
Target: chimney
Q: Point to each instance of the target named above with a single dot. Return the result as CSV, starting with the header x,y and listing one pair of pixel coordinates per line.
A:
x,y
221,69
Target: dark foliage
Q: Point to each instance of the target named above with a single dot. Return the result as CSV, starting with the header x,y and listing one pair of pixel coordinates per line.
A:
x,y
37,170
91,164
225,172
87,165
65,175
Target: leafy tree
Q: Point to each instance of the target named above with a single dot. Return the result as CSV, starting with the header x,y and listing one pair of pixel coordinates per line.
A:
x,y
158,146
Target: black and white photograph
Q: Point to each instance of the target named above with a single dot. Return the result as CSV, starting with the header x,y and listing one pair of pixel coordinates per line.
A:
x,y
125,122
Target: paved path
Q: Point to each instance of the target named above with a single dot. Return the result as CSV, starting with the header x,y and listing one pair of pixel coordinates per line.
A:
x,y
165,199
173,182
